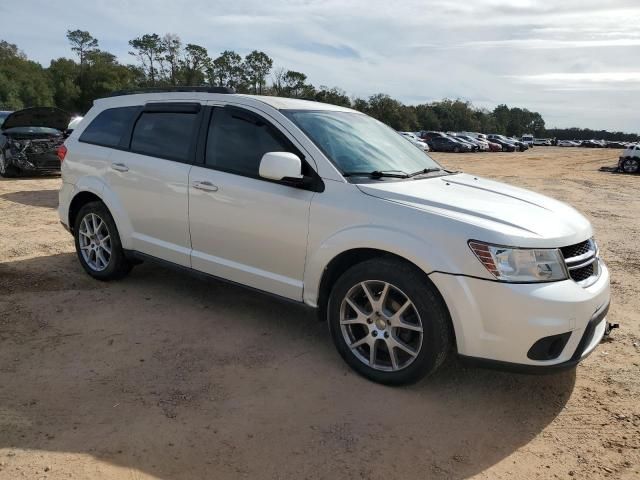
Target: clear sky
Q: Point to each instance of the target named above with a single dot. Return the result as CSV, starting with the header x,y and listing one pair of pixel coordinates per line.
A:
x,y
577,62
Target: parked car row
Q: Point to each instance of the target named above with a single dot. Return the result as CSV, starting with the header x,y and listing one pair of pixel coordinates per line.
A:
x,y
582,143
463,142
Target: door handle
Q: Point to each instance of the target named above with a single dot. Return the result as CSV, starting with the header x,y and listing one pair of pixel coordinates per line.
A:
x,y
120,167
206,186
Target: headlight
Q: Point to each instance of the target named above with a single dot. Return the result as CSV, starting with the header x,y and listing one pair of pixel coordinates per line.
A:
x,y
509,264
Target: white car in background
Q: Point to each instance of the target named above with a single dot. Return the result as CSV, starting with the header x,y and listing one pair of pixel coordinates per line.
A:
x,y
325,206
630,159
528,139
413,138
566,143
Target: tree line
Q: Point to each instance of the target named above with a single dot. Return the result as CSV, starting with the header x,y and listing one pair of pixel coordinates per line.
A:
x,y
164,60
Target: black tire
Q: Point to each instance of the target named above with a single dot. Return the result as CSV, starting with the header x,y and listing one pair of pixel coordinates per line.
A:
x,y
456,149
118,266
7,171
406,279
630,165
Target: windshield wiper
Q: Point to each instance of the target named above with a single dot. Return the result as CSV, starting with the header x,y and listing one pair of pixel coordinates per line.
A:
x,y
424,171
379,174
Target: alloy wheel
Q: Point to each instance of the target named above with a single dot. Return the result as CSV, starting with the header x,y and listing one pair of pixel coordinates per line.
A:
x,y
381,325
631,165
3,165
95,242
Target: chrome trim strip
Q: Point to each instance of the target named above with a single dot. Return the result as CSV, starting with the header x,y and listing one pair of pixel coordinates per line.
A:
x,y
579,258
581,265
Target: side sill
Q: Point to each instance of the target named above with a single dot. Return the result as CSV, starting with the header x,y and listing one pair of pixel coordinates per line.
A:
x,y
139,257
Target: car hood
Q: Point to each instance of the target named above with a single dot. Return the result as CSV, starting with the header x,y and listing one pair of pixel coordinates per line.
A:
x,y
511,213
38,117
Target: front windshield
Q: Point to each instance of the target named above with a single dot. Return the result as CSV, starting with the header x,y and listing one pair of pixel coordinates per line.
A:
x,y
359,144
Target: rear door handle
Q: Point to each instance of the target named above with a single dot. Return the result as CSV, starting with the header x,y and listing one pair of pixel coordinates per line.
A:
x,y
206,186
120,167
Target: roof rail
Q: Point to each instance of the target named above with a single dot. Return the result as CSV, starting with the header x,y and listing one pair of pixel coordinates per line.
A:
x,y
136,91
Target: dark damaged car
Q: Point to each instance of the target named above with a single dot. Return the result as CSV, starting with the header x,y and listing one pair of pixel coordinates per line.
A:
x,y
29,140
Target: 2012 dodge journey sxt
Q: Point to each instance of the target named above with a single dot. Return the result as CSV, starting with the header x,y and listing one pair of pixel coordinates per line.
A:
x,y
320,204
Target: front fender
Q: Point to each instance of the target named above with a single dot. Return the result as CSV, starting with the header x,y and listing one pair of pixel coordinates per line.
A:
x,y
412,248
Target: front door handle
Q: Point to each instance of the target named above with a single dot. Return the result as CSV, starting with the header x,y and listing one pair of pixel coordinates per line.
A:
x,y
120,167
206,186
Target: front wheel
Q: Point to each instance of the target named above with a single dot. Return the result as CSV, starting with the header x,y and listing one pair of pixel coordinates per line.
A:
x,y
98,243
388,321
630,165
456,149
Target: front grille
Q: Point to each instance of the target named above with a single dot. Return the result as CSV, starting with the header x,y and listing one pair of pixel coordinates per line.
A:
x,y
581,260
575,250
580,274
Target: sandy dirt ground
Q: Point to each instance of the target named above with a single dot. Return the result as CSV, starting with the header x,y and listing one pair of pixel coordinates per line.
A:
x,y
165,375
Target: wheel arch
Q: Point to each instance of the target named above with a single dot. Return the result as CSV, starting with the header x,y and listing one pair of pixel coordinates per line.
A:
x,y
348,258
79,200
93,189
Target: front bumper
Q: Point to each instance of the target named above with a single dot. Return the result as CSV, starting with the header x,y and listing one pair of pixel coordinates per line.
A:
x,y
497,323
592,336
65,195
36,162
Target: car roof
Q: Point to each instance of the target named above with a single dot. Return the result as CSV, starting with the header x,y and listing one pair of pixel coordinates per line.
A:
x,y
282,103
279,103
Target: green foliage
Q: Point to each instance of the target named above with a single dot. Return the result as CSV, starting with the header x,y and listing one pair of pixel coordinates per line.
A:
x,y
149,50
227,71
23,83
194,65
257,66
82,42
64,73
391,112
294,84
334,96
170,60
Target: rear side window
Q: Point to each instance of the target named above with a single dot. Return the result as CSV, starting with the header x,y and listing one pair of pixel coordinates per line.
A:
x,y
109,126
237,141
164,134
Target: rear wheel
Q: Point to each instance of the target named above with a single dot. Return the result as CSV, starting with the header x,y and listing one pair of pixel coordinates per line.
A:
x,y
7,171
388,322
98,243
630,165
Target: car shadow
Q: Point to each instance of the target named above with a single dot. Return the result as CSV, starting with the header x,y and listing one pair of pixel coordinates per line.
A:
x,y
182,377
34,198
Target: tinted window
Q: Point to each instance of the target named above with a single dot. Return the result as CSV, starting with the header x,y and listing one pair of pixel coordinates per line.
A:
x,y
109,126
237,141
165,135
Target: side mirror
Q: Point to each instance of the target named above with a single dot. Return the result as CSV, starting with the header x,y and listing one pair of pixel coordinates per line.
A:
x,y
281,166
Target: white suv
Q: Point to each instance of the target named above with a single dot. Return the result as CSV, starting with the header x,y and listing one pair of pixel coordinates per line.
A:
x,y
630,160
324,205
